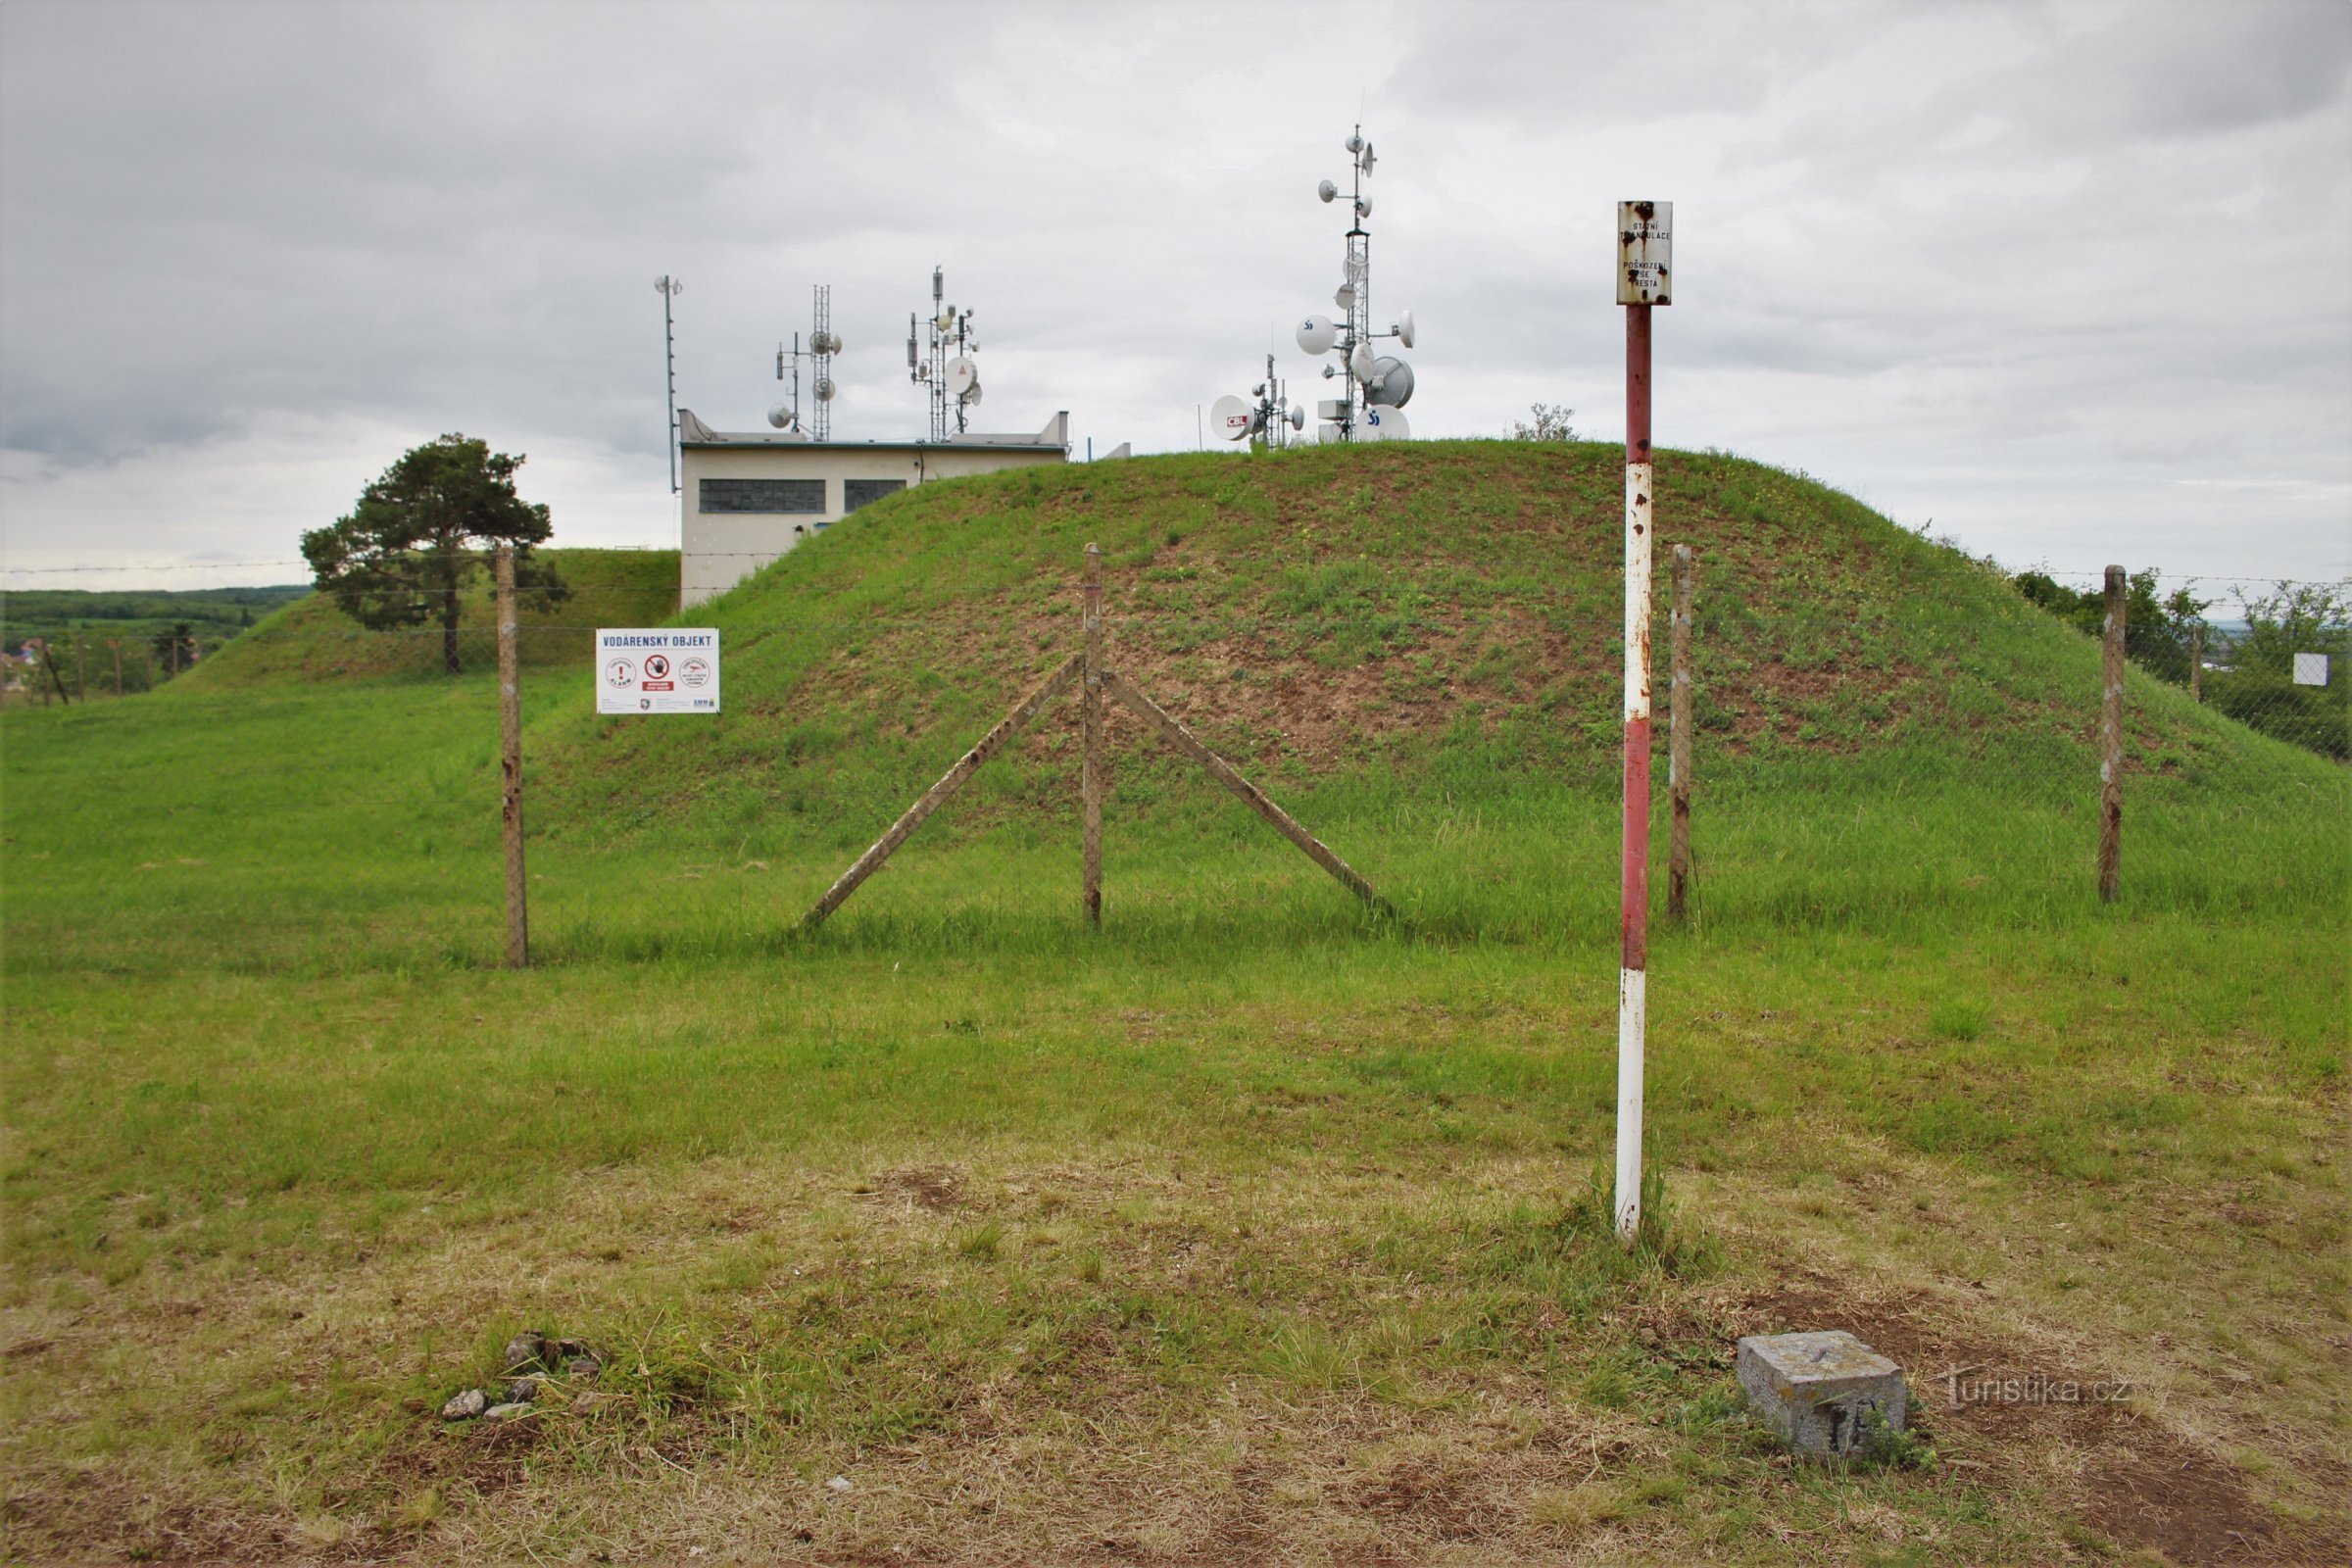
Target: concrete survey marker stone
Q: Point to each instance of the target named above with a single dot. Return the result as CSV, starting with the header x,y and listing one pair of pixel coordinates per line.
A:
x,y
1822,1391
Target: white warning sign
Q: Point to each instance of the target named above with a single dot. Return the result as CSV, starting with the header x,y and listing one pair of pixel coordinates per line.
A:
x,y
656,670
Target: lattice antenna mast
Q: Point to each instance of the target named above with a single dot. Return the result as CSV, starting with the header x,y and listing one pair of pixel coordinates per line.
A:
x,y
939,359
1373,386
823,344
669,289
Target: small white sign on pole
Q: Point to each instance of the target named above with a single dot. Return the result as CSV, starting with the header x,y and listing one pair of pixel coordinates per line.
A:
x,y
660,670
2311,670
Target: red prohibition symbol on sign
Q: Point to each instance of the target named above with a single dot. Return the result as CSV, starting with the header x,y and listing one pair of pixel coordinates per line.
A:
x,y
657,666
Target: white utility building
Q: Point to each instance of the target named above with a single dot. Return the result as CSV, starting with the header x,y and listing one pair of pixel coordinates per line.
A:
x,y
750,497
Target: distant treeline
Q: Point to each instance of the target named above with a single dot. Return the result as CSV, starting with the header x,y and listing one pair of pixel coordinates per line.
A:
x,y
137,637
212,613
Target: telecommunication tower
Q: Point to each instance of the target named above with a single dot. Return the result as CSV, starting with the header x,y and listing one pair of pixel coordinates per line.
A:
x,y
939,357
1271,418
823,344
669,288
1374,386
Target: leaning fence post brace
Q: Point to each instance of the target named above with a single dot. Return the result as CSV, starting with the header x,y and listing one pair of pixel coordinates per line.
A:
x,y
949,782
1224,772
1678,746
1089,764
2110,740
509,763
1644,241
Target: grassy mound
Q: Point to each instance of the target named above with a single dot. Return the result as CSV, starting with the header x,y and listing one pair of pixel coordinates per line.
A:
x,y
311,640
1403,634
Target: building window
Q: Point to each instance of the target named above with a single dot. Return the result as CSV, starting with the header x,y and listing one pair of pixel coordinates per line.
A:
x,y
856,493
763,495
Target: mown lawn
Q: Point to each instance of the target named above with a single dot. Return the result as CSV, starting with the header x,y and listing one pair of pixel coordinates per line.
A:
x,y
1246,1229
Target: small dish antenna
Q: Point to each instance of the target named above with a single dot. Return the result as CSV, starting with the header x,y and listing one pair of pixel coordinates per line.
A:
x,y
1317,333
963,375
939,359
1230,417
823,389
1327,190
1404,330
1344,298
1359,362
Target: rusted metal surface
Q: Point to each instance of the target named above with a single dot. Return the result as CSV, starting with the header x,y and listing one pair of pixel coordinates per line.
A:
x,y
1089,765
2110,740
1644,253
949,782
1677,743
509,763
1224,772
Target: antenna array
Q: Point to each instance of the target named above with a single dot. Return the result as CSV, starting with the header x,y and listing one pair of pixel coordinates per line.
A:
x,y
669,288
939,357
823,344
1374,386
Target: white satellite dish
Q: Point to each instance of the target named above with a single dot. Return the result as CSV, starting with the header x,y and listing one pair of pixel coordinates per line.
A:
x,y
1327,190
1392,384
971,398
1363,207
1355,141
1365,163
962,373
823,389
780,416
1345,297
1359,363
1384,424
1229,417
1404,330
1299,417
1316,335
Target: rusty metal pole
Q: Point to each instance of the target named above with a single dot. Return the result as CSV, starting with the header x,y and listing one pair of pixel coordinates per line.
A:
x,y
2110,740
1089,765
509,765
1678,747
2197,664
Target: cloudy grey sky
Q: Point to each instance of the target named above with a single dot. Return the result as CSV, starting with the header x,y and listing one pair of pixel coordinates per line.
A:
x,y
2071,281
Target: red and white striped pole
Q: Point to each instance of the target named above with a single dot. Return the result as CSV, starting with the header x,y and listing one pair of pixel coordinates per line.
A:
x,y
1644,232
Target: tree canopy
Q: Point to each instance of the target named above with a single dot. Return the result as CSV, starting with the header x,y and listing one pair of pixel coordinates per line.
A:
x,y
422,529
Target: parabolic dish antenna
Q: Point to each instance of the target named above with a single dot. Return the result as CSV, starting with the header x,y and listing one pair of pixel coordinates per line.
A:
x,y
1299,417
1345,297
780,416
971,398
962,375
1363,207
1229,417
1404,330
823,389
1359,364
1392,383
1327,190
1316,335
1384,424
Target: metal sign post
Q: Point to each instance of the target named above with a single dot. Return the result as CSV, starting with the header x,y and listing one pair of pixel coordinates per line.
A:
x,y
1644,256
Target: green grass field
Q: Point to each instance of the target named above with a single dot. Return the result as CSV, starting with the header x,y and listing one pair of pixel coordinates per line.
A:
x,y
1252,1227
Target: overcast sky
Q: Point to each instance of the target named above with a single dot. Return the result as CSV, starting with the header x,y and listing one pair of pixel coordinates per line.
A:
x,y
2071,281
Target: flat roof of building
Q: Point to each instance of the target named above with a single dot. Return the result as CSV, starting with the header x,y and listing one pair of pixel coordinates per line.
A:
x,y
693,432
